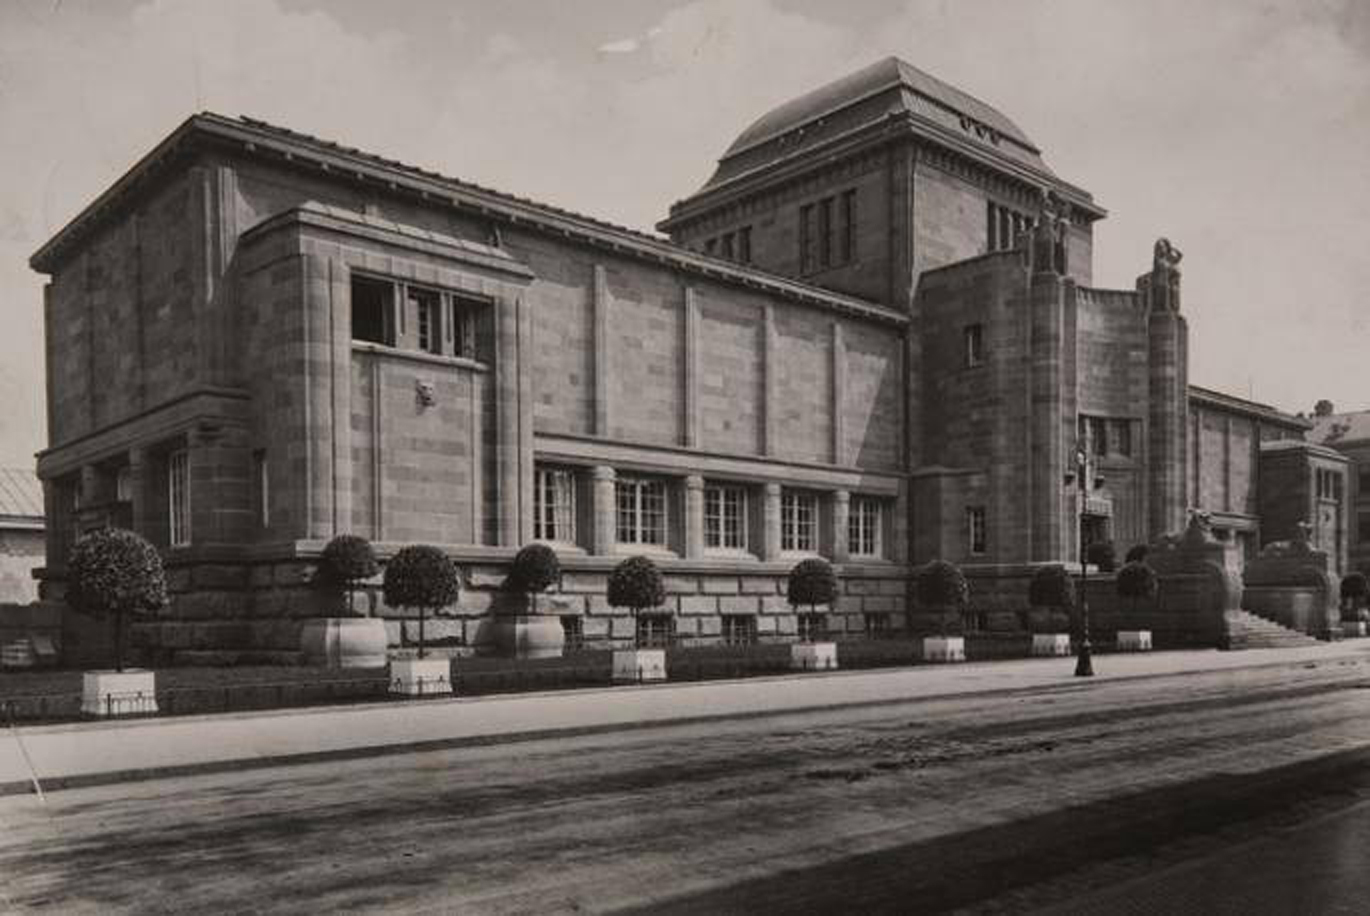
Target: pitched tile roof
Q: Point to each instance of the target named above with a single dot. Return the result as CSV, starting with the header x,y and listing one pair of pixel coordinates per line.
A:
x,y
21,495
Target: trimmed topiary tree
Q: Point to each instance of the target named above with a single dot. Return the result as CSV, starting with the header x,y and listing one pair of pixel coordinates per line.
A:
x,y
421,576
535,569
1052,588
635,584
1354,588
1136,553
345,561
112,573
811,582
1102,555
1137,580
942,585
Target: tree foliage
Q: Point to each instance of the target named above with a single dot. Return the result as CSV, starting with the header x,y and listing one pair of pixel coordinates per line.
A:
x,y
535,569
1136,553
347,559
941,584
812,582
1354,587
636,583
1137,580
1052,586
113,572
421,576
1102,555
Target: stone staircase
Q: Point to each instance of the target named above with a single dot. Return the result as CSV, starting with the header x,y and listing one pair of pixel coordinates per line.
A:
x,y
1250,631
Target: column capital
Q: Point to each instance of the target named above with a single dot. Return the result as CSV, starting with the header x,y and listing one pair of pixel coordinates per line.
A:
x,y
604,472
694,482
771,489
841,496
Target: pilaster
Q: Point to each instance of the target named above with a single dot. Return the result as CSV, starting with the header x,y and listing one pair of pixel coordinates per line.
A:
x,y
694,516
770,522
841,515
603,536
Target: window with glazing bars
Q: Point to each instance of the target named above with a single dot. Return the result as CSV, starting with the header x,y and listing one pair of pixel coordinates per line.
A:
x,y
798,521
554,505
178,497
725,518
428,310
975,522
641,511
739,629
864,527
812,627
654,630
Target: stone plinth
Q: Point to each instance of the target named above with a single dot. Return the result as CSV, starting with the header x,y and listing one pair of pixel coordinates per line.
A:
x,y
119,693
813,656
1295,586
344,642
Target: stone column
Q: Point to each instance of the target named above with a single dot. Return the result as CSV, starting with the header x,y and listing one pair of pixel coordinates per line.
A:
x,y
694,516
770,522
139,481
605,511
90,486
841,513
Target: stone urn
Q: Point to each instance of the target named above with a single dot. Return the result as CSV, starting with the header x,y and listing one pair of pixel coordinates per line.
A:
x,y
344,642
520,631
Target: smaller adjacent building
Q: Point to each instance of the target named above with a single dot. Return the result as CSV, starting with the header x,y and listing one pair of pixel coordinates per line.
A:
x,y
1348,434
21,535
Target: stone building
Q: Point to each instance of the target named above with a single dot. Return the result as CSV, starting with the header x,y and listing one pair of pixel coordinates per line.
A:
x,y
870,336
1348,435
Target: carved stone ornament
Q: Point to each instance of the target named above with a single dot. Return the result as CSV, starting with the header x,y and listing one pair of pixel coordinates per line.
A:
x,y
425,394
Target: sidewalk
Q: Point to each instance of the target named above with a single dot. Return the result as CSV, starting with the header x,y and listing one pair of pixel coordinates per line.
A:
x,y
100,752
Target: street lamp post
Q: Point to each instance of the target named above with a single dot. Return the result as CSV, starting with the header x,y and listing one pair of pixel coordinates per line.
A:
x,y
1084,663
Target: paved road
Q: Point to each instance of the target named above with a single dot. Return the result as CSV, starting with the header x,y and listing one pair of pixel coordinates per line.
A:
x,y
897,808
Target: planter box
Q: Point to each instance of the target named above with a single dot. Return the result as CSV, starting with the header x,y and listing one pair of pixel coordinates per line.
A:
x,y
944,648
813,656
119,693
634,665
1353,628
1050,644
418,677
1134,640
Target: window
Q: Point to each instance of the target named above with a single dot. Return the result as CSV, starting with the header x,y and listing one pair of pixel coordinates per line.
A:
x,y
798,521
846,244
654,631
744,245
428,309
710,246
827,233
1363,528
373,310
1329,484
1094,430
975,523
974,335
1364,482
739,629
123,485
641,511
263,488
726,247
554,505
178,497
463,326
574,628
812,627
864,527
1002,226
725,518
877,624
1122,437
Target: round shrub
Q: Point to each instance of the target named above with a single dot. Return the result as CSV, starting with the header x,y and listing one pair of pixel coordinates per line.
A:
x,y
535,569
812,582
345,561
1137,580
348,558
1136,553
423,577
1052,587
113,572
941,584
1354,588
636,583
1102,555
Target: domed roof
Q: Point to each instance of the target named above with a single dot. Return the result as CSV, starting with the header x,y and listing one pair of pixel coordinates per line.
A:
x,y
887,88
883,75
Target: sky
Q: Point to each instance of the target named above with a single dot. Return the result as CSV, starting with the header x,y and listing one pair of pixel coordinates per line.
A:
x,y
1238,129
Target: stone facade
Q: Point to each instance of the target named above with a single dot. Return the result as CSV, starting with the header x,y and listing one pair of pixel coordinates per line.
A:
x,y
876,344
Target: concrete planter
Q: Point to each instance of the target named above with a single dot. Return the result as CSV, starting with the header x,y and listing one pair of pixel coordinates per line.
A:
x,y
1050,644
813,656
132,692
634,665
524,635
417,677
1134,640
944,648
344,642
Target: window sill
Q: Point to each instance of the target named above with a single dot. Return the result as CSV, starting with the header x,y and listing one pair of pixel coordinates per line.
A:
x,y
419,356
646,550
728,553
